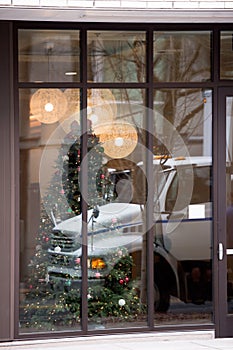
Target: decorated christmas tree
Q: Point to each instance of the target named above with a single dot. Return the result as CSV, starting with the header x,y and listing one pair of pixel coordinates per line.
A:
x,y
115,300
99,184
119,297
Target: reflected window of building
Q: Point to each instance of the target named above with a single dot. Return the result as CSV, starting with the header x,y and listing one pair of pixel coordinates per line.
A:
x,y
182,56
116,56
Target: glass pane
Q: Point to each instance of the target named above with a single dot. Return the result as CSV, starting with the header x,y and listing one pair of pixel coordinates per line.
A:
x,y
116,56
229,197
49,55
116,249
183,206
182,56
47,262
226,55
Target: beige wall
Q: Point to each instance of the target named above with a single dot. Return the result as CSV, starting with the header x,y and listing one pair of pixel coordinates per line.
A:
x,y
132,4
146,11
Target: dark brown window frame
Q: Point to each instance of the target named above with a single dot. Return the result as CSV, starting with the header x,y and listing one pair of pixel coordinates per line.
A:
x,y
149,86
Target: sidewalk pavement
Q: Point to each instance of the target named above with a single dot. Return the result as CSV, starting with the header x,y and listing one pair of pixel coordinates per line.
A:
x,y
195,340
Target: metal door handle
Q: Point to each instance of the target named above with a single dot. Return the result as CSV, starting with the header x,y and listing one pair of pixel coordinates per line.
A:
x,y
220,251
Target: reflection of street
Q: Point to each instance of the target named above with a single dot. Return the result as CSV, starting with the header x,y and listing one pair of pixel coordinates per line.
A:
x,y
179,306
179,312
230,306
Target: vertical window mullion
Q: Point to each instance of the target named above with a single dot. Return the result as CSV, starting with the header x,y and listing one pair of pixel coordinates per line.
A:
x,y
149,171
84,182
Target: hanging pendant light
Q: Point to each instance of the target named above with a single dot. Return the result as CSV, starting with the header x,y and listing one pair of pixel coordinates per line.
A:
x,y
119,139
101,107
48,105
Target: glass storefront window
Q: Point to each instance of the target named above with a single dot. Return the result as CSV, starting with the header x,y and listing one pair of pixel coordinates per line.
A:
x,y
51,254
45,188
116,56
182,56
49,55
128,153
183,206
117,218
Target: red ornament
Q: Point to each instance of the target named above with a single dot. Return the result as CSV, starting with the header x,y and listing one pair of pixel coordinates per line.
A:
x,y
77,260
102,176
121,281
126,279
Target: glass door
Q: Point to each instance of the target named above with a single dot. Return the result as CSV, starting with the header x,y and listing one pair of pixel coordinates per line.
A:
x,y
225,209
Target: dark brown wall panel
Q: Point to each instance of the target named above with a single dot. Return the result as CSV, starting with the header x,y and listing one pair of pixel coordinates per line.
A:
x,y
6,288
